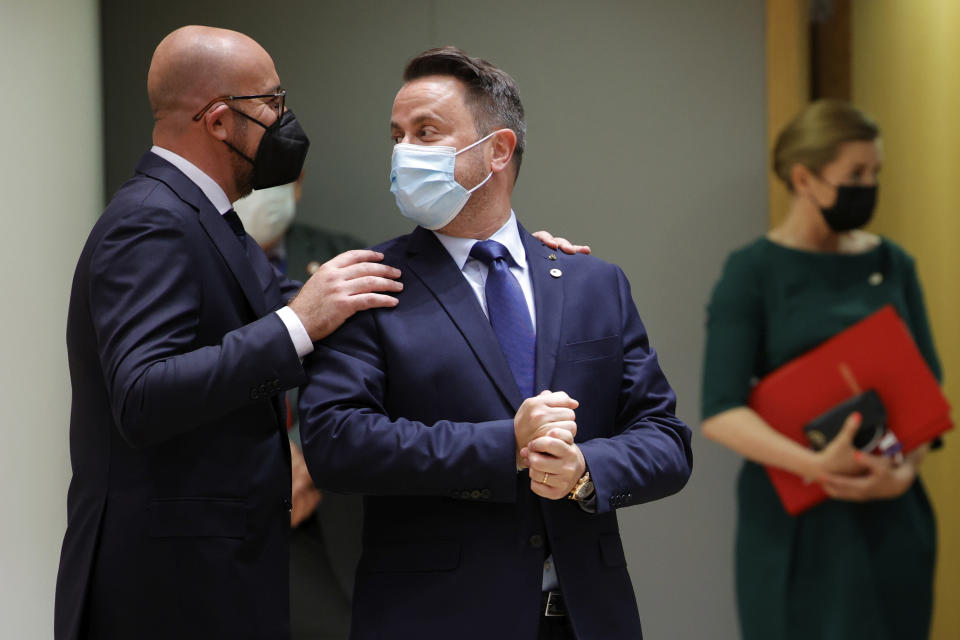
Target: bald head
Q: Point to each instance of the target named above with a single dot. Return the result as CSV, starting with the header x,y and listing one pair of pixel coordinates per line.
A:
x,y
195,64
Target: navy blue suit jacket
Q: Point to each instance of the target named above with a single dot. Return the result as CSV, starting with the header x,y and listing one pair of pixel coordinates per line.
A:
x,y
413,407
178,510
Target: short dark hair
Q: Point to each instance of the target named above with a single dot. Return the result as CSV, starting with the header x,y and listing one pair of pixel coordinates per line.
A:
x,y
492,94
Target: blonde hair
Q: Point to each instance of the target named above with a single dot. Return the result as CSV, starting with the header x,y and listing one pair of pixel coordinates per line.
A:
x,y
814,136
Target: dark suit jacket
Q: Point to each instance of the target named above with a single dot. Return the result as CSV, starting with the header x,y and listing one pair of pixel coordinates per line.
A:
x,y
414,407
178,510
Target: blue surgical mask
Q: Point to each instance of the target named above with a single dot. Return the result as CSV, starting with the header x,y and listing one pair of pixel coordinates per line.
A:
x,y
422,180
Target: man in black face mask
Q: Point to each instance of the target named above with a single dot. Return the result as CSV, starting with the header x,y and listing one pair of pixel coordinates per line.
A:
x,y
181,340
281,152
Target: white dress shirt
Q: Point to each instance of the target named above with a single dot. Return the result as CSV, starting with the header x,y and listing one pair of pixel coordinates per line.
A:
x,y
475,273
218,198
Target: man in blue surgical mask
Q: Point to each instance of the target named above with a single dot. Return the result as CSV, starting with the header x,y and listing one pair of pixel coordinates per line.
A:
x,y
497,417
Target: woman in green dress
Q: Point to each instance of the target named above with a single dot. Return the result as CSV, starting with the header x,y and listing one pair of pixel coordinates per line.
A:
x,y
859,565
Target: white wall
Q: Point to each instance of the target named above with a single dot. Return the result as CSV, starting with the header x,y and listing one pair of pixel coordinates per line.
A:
x,y
50,182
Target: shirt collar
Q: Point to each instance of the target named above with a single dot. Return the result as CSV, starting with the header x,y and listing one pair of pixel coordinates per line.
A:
x,y
215,194
508,235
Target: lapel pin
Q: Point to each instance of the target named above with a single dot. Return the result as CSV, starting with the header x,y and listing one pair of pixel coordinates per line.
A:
x,y
556,273
875,278
552,256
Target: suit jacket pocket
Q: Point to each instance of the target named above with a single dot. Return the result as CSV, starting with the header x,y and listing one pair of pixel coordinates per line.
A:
x,y
197,518
413,556
611,550
590,349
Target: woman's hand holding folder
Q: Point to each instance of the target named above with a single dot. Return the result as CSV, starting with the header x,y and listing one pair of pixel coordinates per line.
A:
x,y
883,479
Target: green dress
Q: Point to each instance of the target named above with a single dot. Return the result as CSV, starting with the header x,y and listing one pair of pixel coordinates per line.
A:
x,y
842,570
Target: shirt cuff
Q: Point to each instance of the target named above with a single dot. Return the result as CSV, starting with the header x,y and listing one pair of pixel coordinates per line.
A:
x,y
298,334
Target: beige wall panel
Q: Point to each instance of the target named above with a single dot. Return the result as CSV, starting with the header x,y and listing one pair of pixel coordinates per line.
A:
x,y
906,73
788,81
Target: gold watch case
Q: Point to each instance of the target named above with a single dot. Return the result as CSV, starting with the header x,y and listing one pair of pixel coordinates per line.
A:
x,y
583,489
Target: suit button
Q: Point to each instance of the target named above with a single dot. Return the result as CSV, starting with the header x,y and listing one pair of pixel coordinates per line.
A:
x,y
253,394
287,505
536,541
262,389
485,494
475,494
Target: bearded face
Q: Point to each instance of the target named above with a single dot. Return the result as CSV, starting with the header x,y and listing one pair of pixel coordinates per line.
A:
x,y
241,167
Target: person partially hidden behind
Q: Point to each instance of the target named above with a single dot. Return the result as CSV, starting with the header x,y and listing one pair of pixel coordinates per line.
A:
x,y
326,526
180,342
501,413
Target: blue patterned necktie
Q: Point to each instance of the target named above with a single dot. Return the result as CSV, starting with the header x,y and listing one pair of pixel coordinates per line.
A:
x,y
508,312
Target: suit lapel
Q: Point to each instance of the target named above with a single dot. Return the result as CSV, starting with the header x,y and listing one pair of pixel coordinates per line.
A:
x,y
224,239
213,223
548,301
231,250
433,266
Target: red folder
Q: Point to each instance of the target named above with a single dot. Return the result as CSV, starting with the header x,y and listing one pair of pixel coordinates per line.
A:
x,y
876,353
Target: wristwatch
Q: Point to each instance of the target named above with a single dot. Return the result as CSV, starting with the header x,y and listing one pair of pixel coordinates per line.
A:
x,y
583,489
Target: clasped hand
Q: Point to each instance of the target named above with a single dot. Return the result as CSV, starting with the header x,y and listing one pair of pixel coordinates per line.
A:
x,y
545,426
846,473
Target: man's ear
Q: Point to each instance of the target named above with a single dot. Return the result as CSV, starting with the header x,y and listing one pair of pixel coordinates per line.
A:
x,y
502,144
215,121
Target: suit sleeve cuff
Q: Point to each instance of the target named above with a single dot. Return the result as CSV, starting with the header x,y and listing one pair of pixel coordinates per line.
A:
x,y
298,334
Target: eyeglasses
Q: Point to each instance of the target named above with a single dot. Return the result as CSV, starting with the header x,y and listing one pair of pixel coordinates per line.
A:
x,y
280,97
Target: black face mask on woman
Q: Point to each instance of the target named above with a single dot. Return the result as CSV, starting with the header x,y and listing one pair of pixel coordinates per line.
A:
x,y
853,207
281,152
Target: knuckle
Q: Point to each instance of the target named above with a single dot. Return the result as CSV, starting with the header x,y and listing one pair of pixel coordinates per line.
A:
x,y
367,301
